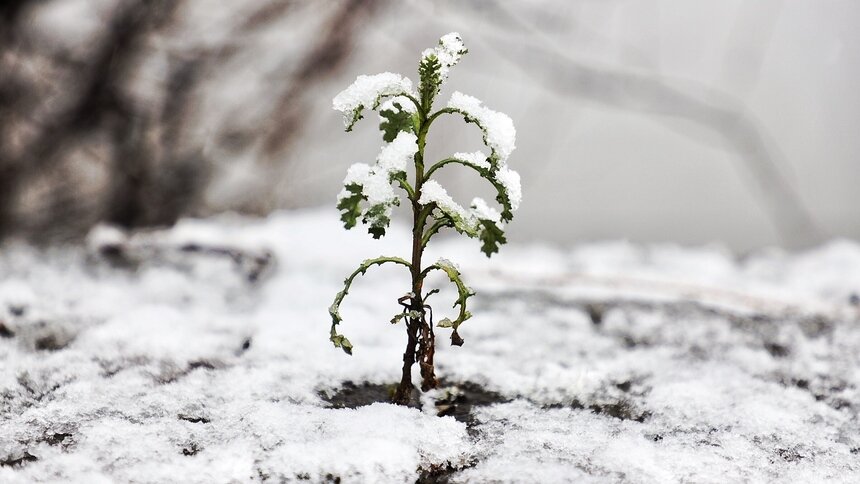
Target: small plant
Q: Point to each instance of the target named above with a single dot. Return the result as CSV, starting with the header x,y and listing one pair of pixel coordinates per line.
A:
x,y
369,193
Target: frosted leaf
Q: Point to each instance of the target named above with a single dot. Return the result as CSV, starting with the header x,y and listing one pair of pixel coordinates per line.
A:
x,y
482,211
432,192
395,156
377,189
449,52
499,132
366,92
373,184
396,115
482,221
405,104
510,180
477,158
357,173
447,263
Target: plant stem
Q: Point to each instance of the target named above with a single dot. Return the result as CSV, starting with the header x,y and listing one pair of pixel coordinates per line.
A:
x,y
419,333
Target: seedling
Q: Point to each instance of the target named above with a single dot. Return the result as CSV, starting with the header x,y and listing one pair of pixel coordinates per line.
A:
x,y
369,193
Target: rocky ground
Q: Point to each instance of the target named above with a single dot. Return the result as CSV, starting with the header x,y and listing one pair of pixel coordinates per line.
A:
x,y
201,354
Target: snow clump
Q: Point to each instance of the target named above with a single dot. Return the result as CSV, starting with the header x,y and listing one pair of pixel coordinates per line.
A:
x,y
367,91
375,181
499,132
449,52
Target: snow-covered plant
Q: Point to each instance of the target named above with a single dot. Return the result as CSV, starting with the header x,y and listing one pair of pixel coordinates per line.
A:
x,y
369,192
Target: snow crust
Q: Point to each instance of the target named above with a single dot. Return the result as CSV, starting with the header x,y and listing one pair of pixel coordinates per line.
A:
x,y
150,358
366,91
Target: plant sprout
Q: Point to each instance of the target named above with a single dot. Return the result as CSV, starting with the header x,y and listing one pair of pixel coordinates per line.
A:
x,y
369,193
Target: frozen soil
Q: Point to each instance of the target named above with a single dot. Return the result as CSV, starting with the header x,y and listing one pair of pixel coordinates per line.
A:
x,y
201,354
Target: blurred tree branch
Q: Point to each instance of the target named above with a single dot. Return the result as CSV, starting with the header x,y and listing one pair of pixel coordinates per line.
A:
x,y
80,111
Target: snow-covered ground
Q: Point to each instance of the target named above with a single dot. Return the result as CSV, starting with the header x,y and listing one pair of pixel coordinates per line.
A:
x,y
201,354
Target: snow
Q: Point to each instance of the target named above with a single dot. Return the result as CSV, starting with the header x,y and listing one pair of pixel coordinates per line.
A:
x,y
499,132
395,156
432,192
449,52
161,357
406,105
366,91
375,180
510,180
477,158
356,174
482,211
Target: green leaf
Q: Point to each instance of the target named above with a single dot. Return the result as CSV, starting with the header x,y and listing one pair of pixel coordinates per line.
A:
x,y
491,237
356,115
463,293
429,70
395,121
487,174
377,220
340,340
349,206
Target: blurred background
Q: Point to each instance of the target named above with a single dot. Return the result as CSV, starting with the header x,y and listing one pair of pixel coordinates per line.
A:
x,y
652,121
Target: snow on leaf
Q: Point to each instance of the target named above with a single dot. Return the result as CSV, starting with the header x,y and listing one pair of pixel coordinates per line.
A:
x,y
482,221
367,92
436,63
482,211
499,132
433,193
477,158
375,184
510,182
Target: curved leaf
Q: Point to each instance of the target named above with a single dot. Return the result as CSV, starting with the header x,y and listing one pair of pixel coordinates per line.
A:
x,y
340,340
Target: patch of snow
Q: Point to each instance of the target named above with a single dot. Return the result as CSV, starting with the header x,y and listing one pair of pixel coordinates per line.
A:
x,y
615,362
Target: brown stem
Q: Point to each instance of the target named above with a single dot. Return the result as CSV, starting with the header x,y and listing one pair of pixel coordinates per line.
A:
x,y
420,339
426,350
404,391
